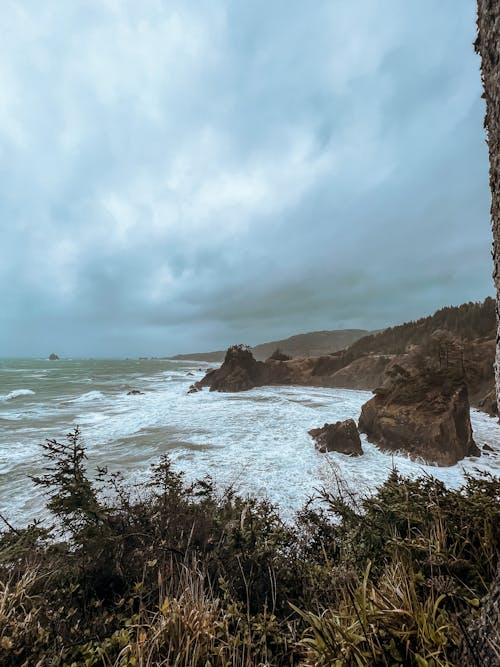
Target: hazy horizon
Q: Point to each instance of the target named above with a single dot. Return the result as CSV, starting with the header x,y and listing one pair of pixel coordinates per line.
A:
x,y
260,341
177,178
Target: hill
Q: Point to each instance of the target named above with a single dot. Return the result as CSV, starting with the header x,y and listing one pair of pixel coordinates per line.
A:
x,y
312,344
469,321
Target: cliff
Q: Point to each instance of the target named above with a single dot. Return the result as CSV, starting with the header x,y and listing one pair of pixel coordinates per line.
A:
x,y
423,407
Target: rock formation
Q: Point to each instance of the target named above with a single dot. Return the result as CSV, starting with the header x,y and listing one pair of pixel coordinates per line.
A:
x,y
422,408
53,357
135,392
239,372
340,437
489,404
364,373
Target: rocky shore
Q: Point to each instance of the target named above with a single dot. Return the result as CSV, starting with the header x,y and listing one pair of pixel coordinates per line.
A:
x,y
421,402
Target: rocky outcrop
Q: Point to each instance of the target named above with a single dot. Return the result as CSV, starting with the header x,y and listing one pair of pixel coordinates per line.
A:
x,y
53,357
239,372
422,410
340,437
479,359
135,392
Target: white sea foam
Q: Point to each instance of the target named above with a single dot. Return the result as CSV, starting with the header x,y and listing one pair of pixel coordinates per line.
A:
x,y
89,396
256,440
16,394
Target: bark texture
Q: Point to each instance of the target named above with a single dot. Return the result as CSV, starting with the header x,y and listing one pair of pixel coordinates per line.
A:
x,y
488,46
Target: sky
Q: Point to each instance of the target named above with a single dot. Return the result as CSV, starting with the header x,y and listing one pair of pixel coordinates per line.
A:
x,y
179,176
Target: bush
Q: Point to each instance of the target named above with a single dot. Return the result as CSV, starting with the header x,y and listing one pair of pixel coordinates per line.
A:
x,y
182,574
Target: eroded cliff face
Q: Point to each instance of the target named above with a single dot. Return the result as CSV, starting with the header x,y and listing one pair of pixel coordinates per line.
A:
x,y
422,410
488,46
240,372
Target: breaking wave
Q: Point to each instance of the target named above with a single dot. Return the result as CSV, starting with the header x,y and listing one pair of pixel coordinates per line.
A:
x,y
15,394
89,397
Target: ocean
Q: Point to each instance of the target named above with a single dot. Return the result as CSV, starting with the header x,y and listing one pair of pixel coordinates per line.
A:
x,y
256,441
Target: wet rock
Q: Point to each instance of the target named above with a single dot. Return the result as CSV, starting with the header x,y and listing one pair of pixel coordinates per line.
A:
x,y
422,409
340,437
487,448
239,372
135,392
53,357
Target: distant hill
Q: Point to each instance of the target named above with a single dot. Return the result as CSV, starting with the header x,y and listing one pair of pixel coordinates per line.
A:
x,y
311,344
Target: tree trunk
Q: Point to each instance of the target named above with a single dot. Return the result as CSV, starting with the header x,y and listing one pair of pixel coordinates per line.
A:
x,y
488,46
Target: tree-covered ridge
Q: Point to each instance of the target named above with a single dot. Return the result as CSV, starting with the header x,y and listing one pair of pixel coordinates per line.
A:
x,y
469,321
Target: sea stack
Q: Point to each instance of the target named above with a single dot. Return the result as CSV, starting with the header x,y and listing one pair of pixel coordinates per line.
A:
x,y
53,357
422,408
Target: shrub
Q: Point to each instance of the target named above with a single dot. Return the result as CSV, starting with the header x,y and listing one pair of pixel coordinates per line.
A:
x,y
183,574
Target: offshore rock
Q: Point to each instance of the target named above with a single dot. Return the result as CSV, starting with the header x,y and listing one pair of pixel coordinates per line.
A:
x,y
239,372
340,437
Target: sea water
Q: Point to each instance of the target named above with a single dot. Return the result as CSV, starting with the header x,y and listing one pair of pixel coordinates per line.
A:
x,y
256,441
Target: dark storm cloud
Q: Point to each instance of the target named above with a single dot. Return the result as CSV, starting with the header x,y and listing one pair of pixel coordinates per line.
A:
x,y
180,176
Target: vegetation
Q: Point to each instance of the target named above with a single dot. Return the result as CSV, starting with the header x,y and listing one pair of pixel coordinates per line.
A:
x,y
278,355
468,321
170,573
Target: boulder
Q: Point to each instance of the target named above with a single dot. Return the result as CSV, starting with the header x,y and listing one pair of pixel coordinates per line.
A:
x,y
53,357
421,410
135,392
340,437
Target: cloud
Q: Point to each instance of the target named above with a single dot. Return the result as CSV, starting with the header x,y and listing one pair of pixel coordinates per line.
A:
x,y
177,176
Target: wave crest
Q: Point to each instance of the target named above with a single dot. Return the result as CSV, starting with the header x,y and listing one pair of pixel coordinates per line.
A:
x,y
89,396
16,393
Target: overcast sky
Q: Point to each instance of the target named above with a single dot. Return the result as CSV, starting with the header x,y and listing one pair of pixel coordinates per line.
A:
x,y
179,176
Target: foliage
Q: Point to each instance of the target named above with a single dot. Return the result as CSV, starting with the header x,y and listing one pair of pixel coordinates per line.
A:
x,y
468,321
278,355
172,573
